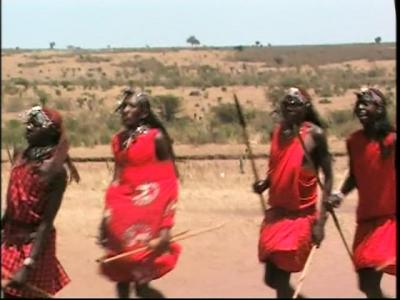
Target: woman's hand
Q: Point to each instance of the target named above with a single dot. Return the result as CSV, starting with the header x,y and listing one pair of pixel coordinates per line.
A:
x,y
260,186
160,244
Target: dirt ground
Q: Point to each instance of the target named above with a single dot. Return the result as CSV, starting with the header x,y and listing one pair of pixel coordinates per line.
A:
x,y
221,263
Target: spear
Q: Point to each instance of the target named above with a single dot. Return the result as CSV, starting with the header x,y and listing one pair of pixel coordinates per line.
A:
x,y
242,123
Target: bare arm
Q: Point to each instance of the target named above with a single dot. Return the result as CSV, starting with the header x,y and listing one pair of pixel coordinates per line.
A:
x,y
164,149
349,183
55,163
262,185
323,159
116,173
55,195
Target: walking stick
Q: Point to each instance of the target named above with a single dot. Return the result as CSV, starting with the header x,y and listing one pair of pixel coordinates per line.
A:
x,y
331,211
10,158
246,140
178,237
304,272
32,288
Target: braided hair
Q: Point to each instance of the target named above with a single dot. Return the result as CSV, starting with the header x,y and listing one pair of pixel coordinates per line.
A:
x,y
312,115
151,120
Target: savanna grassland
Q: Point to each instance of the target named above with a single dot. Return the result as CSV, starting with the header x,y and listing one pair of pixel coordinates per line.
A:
x,y
192,92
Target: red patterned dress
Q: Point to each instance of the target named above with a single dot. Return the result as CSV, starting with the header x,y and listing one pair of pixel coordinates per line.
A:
x,y
26,199
285,235
136,208
375,242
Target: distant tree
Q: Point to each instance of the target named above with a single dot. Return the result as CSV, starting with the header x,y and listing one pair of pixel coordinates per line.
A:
x,y
52,45
168,106
258,44
378,40
238,48
269,45
192,41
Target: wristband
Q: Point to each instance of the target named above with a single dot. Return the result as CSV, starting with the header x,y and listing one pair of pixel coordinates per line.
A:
x,y
28,262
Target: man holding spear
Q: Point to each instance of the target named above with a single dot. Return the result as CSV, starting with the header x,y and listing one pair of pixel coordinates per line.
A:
x,y
292,224
372,171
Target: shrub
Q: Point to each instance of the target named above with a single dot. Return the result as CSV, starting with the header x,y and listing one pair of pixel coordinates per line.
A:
x,y
13,134
14,104
168,106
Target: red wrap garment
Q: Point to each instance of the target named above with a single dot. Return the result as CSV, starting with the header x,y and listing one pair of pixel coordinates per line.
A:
x,y
137,208
375,242
26,199
285,235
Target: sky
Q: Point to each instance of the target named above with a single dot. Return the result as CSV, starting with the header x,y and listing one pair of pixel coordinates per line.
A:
x,y
168,23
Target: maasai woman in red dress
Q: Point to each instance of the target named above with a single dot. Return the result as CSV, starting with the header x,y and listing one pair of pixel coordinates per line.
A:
x,y
37,183
140,201
292,223
372,171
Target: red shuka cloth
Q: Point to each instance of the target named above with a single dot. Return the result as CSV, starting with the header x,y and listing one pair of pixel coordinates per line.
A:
x,y
26,199
137,208
285,235
375,239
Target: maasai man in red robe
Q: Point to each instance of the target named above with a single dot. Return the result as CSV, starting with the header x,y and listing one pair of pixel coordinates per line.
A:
x,y
372,171
140,201
37,183
292,223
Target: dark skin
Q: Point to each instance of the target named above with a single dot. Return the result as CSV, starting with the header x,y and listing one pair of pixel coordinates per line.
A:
x,y
54,173
319,159
367,113
132,115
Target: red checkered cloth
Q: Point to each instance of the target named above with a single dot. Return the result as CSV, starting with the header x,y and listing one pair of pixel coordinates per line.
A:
x,y
47,273
26,199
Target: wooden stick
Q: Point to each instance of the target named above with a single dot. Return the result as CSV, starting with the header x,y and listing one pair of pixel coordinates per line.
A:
x,y
101,260
178,237
246,140
32,288
304,272
10,158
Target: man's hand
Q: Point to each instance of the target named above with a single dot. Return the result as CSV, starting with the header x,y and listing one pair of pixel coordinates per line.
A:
x,y
260,186
318,233
334,200
102,236
20,278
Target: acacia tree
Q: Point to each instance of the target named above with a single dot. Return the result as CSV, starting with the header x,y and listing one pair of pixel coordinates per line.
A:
x,y
52,45
192,40
378,40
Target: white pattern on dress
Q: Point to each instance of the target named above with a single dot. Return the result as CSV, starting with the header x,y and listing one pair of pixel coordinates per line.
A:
x,y
146,193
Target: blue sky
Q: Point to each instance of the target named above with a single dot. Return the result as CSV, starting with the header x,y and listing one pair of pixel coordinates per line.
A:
x,y
165,23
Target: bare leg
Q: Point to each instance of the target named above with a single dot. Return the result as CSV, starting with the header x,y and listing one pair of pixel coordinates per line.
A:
x,y
123,289
279,280
146,291
369,282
